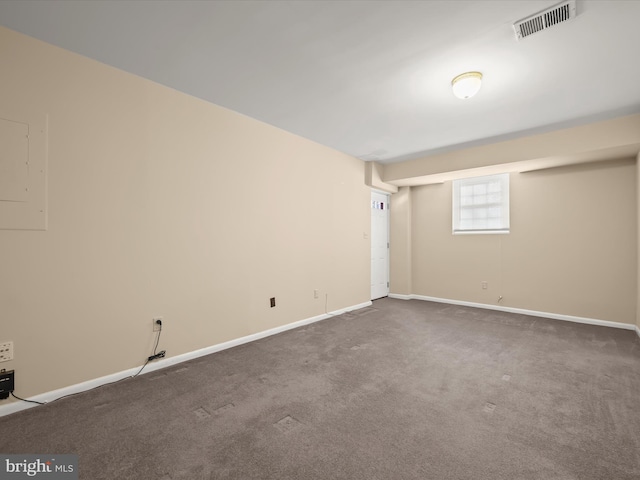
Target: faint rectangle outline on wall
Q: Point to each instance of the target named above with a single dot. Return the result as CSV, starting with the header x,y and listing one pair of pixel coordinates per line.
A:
x,y
23,164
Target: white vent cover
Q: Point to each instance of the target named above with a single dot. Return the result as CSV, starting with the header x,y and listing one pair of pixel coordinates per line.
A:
x,y
547,18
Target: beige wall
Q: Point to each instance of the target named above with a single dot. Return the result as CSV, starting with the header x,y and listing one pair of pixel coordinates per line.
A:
x,y
400,242
572,247
162,204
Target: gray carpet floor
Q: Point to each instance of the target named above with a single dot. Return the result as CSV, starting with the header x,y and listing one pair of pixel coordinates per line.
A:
x,y
399,390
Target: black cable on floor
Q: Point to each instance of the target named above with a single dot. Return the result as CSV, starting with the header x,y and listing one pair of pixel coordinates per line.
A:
x,y
154,352
155,348
24,400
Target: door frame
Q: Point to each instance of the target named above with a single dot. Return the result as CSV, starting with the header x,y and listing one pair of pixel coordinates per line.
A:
x,y
387,195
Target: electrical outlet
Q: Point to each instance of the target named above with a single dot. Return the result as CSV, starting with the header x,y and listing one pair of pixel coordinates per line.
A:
x,y
272,302
157,326
484,285
315,294
157,355
6,351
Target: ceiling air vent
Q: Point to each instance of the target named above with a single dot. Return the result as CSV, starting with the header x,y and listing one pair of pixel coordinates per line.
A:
x,y
545,19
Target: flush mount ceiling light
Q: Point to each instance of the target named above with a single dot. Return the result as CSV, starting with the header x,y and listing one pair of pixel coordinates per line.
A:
x,y
466,85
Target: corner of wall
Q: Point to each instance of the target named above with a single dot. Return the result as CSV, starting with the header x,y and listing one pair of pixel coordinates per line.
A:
x,y
373,177
638,243
400,242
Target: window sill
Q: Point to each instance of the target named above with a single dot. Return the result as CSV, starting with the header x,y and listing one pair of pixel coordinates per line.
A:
x,y
481,232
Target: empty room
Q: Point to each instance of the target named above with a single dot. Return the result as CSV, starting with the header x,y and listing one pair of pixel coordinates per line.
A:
x,y
286,239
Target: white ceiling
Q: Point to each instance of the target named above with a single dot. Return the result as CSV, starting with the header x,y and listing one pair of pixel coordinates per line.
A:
x,y
369,78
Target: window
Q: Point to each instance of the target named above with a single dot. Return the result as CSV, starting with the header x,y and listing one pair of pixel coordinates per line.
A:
x,y
481,204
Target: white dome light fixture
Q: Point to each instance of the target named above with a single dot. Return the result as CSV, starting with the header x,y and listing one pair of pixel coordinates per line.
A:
x,y
466,85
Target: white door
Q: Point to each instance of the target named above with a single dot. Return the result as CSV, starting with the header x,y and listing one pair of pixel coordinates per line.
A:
x,y
379,245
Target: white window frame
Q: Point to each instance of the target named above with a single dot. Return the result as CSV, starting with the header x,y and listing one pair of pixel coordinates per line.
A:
x,y
481,201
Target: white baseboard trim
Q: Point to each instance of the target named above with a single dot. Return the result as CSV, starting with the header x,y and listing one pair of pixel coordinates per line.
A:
x,y
167,362
534,313
400,297
638,331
